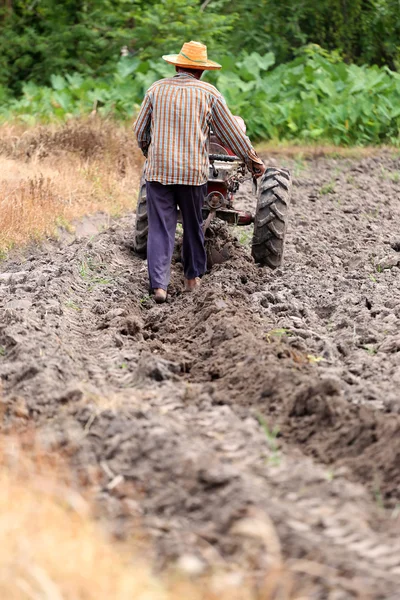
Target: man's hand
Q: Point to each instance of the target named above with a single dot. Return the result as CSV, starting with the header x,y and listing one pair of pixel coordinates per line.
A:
x,y
257,169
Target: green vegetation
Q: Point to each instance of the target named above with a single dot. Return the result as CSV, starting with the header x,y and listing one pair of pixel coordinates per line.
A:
x,y
42,38
271,436
370,349
277,334
315,97
244,235
144,300
314,360
72,304
91,272
293,70
329,188
46,37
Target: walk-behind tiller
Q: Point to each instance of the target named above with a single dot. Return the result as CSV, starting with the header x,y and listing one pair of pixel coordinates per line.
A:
x,y
226,173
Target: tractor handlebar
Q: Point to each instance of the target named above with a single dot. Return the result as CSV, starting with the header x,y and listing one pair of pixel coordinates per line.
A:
x,y
224,158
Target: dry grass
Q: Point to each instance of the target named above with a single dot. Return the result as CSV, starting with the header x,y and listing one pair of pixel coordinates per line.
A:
x,y
51,549
312,151
52,175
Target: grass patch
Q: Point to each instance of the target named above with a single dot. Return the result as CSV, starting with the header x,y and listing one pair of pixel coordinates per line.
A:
x,y
371,350
271,436
244,235
299,151
328,188
92,272
393,176
53,175
73,305
277,334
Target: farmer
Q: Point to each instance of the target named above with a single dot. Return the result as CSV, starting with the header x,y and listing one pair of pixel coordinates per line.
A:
x,y
172,130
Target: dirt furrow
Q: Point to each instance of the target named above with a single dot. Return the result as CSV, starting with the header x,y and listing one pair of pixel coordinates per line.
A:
x,y
265,397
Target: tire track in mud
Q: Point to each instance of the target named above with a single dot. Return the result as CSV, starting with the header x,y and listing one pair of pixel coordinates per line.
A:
x,y
159,408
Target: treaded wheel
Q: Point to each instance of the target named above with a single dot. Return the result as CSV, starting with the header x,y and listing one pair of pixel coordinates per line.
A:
x,y
142,222
270,220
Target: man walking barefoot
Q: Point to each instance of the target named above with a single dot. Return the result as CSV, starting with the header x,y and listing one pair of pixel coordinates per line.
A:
x,y
172,130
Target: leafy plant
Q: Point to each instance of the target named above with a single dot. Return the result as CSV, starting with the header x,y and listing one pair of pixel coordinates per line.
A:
x,y
40,39
328,188
278,333
244,235
91,272
145,300
371,350
316,97
72,304
314,359
390,175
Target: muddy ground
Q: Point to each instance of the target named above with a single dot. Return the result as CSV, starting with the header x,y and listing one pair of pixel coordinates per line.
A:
x,y
265,403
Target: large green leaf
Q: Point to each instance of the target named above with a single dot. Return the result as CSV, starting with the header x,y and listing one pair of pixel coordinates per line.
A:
x,y
58,82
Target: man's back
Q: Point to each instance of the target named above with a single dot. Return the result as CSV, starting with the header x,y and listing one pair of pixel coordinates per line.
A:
x,y
175,117
181,112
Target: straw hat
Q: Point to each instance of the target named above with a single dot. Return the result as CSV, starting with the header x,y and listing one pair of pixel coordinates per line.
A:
x,y
193,55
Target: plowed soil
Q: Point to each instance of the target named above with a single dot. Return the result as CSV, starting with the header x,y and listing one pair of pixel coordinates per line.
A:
x,y
266,402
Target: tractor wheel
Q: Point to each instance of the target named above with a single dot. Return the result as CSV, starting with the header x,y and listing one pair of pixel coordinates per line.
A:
x,y
142,222
270,220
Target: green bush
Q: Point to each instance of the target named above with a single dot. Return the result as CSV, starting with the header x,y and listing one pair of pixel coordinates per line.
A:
x,y
41,38
316,97
363,31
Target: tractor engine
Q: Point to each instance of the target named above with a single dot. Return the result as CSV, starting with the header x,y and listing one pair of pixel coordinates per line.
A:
x,y
226,173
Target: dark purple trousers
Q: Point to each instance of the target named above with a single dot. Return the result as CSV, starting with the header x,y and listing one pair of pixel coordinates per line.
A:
x,y
162,210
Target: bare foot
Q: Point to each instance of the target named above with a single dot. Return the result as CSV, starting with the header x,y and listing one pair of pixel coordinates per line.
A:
x,y
192,284
160,295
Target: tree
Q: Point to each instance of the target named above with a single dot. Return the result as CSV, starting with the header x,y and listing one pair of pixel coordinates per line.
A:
x,y
44,37
364,31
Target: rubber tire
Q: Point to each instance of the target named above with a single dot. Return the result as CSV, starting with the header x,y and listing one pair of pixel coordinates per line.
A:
x,y
270,221
142,222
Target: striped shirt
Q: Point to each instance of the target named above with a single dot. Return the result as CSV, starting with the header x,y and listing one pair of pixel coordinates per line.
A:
x,y
173,126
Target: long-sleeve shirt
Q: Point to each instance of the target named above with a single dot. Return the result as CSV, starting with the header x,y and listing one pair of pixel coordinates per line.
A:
x,y
173,126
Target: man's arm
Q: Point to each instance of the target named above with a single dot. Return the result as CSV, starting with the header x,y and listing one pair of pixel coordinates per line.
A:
x,y
142,125
230,133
